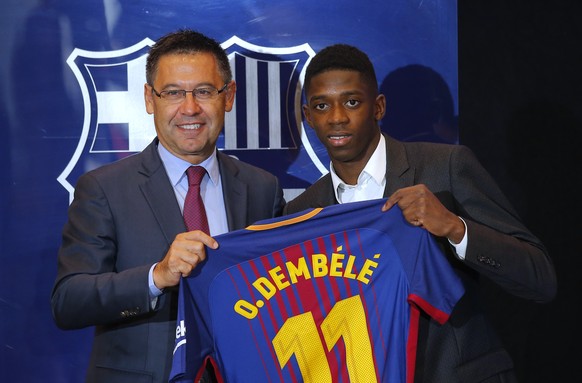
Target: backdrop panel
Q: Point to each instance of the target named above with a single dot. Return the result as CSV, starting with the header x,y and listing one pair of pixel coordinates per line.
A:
x,y
71,81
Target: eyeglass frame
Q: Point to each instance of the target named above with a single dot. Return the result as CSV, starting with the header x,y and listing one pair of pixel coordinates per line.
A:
x,y
185,92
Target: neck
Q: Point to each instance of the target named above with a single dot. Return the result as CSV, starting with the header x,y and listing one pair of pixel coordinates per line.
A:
x,y
349,171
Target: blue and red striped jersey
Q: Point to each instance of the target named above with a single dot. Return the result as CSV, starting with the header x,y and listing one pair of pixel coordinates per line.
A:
x,y
326,295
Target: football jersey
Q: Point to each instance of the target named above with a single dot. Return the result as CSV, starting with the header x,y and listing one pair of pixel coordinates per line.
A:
x,y
325,295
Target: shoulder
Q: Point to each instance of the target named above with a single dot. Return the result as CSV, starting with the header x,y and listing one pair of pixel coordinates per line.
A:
x,y
320,194
127,169
432,148
117,170
429,152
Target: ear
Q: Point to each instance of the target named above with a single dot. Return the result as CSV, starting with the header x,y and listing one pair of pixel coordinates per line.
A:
x,y
148,97
230,93
307,114
380,107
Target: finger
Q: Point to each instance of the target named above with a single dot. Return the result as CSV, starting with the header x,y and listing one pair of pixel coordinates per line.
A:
x,y
196,254
197,235
187,273
392,200
416,222
387,205
191,263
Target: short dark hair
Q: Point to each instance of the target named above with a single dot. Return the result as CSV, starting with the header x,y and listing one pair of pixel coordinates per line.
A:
x,y
186,41
341,57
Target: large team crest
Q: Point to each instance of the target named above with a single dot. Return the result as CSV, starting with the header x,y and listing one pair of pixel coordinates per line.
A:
x,y
264,128
115,122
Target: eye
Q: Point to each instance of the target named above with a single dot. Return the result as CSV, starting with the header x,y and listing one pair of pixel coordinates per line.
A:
x,y
320,106
352,103
173,94
204,92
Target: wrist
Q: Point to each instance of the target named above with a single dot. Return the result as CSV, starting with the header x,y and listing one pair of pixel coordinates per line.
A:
x,y
457,232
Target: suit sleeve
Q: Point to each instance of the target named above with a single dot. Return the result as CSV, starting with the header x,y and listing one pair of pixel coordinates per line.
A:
x,y
88,291
499,245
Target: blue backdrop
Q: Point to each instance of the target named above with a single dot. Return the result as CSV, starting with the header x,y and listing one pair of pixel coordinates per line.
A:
x,y
71,99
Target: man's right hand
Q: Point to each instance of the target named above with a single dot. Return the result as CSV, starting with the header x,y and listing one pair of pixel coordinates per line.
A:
x,y
187,251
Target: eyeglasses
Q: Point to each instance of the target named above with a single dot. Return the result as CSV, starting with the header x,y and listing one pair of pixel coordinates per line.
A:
x,y
200,94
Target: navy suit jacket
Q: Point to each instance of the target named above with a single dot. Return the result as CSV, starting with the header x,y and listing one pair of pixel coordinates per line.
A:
x,y
122,220
500,247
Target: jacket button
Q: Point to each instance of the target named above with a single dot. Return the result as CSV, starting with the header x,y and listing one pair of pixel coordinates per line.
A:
x,y
488,261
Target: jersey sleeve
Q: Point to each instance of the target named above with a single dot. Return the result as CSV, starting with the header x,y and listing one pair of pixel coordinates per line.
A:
x,y
435,287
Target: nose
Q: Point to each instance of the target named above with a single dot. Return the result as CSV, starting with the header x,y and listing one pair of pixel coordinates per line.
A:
x,y
190,105
338,115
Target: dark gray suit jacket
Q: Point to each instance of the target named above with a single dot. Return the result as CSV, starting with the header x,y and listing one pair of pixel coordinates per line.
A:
x,y
465,349
123,219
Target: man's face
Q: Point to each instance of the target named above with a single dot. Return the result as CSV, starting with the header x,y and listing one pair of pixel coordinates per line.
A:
x,y
344,112
189,129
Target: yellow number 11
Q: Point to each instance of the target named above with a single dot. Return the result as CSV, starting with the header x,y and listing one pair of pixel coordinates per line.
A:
x,y
298,336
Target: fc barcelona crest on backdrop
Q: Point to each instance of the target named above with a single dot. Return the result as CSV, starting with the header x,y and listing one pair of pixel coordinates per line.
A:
x,y
115,121
264,128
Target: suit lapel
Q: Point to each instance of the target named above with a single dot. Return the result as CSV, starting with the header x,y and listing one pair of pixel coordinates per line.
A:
x,y
159,193
325,195
235,193
399,173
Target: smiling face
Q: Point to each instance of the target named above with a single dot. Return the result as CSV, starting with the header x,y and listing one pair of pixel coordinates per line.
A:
x,y
344,111
188,129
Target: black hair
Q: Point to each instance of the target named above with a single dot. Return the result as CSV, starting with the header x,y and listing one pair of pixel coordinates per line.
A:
x,y
186,41
341,57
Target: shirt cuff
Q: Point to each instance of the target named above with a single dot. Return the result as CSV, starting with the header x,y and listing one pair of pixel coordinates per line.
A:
x,y
461,247
154,291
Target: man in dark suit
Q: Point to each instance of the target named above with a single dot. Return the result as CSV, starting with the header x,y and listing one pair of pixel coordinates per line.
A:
x,y
125,244
441,188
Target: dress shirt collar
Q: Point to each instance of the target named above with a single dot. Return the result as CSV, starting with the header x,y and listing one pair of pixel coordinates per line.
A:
x,y
374,170
176,167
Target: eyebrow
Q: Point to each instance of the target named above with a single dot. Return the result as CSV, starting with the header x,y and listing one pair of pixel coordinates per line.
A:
x,y
178,87
346,93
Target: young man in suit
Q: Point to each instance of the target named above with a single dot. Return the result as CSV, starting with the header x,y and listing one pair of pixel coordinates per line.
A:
x,y
441,188
125,244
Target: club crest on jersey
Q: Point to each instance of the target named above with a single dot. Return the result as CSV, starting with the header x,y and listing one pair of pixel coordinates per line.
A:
x,y
266,117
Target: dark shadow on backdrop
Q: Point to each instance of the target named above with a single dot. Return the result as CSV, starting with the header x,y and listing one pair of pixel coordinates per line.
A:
x,y
520,111
546,167
419,106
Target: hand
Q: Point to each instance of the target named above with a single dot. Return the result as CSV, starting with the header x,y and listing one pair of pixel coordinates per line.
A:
x,y
184,254
422,208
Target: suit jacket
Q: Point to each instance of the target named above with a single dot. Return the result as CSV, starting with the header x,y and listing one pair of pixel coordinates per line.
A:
x,y
122,220
465,349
